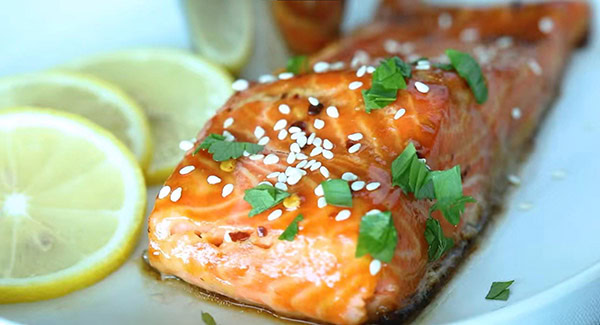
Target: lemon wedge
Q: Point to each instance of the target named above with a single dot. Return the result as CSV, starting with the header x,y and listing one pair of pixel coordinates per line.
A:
x,y
90,97
178,91
72,201
222,31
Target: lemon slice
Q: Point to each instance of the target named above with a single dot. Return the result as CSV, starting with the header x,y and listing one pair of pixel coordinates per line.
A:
x,y
178,91
90,97
222,31
72,201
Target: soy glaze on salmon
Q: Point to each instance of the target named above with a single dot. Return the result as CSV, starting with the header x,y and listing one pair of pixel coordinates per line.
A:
x,y
200,230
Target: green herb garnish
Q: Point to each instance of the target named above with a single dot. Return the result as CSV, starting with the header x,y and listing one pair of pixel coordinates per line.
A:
x,y
388,78
337,192
297,64
444,66
263,197
466,67
377,236
438,243
411,174
499,290
290,232
225,150
208,319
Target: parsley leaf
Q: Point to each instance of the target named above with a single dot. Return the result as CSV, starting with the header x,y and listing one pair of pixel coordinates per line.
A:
x,y
438,243
469,70
225,150
290,232
263,197
297,64
388,78
208,319
499,290
377,236
337,192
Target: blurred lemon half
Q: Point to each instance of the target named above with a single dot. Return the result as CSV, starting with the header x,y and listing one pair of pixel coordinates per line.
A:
x,y
87,96
178,91
72,201
222,31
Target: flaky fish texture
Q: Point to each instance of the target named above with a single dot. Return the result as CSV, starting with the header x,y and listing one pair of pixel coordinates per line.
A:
x,y
200,231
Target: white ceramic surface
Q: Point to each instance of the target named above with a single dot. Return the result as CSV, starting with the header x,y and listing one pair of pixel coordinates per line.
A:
x,y
550,250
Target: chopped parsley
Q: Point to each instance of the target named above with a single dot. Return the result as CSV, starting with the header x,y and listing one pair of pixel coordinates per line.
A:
x,y
263,197
297,64
337,192
499,290
388,78
438,243
290,232
377,236
208,319
466,67
224,150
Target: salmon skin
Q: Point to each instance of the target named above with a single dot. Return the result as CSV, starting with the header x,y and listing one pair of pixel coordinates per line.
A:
x,y
200,230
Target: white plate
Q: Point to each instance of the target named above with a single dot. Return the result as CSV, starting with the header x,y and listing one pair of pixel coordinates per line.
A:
x,y
550,250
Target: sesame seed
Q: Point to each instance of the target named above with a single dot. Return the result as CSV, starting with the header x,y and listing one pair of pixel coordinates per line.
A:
x,y
284,109
310,163
245,153
301,156
294,147
186,170
357,186
227,189
374,211
256,157
546,25
295,129
361,71
266,78
265,183
281,186
399,113
282,134
316,166
421,87
228,122
240,85
319,190
333,112
294,179
374,267
348,176
327,154
311,138
317,142
273,175
516,113
370,69
445,20
373,186
514,179
186,145
355,85
271,159
324,171
282,178
297,135
164,191
316,151
469,35
504,42
259,132
354,148
313,101
319,124
355,136
327,144
321,66
321,202
391,46
302,164
302,140
228,136
423,65
275,215
535,67
285,75
343,215
263,141
291,158
280,125
339,65
176,194
212,179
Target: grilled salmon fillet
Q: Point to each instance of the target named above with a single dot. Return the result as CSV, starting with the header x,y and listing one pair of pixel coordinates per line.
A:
x,y
200,231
